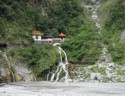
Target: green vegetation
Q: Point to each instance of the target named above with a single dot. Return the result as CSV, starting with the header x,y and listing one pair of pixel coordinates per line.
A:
x,y
13,69
98,69
15,24
86,75
18,18
37,58
62,16
113,21
120,72
85,47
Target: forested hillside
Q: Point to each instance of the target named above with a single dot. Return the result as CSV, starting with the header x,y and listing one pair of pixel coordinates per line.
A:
x,y
18,18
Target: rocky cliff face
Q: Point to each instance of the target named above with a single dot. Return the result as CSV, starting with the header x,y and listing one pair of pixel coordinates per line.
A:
x,y
22,73
14,71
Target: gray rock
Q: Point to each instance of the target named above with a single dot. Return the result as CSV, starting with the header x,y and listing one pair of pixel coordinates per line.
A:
x,y
123,68
110,75
93,76
23,71
3,71
122,39
99,76
111,65
123,79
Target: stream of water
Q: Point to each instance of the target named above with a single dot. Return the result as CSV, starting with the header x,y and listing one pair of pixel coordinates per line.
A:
x,y
63,65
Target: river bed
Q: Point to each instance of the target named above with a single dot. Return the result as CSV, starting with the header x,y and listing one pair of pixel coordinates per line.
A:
x,y
44,88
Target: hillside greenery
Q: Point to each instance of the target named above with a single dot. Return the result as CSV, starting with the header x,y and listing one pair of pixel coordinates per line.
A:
x,y
37,58
18,18
85,47
112,14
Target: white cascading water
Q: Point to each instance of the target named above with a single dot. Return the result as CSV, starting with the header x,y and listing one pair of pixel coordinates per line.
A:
x,y
63,65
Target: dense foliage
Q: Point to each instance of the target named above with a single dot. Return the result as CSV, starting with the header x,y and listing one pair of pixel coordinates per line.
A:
x,y
37,58
18,18
85,47
16,21
62,16
113,22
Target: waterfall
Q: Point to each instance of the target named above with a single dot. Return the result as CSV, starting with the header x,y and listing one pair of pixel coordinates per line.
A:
x,y
47,77
63,65
8,65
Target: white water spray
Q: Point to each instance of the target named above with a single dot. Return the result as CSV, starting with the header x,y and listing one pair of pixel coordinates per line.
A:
x,y
63,65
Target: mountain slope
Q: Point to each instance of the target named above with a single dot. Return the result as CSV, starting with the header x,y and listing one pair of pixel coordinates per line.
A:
x,y
113,18
83,45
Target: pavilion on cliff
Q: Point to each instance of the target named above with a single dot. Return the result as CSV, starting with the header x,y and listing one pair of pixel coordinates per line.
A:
x,y
62,36
37,35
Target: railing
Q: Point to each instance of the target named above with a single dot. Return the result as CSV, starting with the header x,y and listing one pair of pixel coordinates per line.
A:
x,y
51,39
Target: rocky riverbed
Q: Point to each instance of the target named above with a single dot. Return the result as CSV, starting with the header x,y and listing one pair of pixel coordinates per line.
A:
x,y
62,89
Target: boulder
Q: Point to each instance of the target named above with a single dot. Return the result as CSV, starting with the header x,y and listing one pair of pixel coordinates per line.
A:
x,y
18,77
3,71
32,77
111,65
96,76
93,76
99,76
71,69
